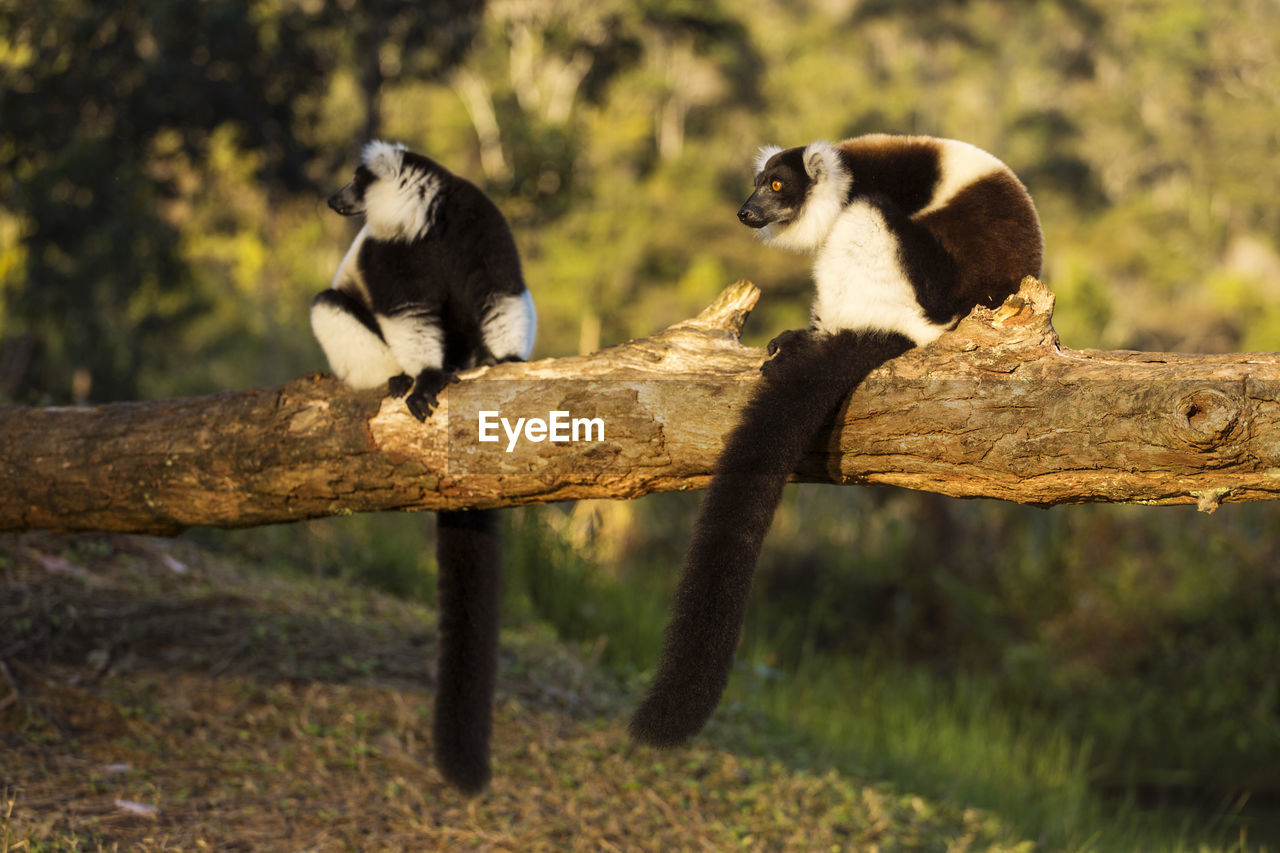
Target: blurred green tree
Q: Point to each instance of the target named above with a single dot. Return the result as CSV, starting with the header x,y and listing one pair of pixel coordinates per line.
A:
x,y
87,90
84,89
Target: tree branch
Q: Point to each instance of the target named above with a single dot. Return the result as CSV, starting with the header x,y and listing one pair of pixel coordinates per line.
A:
x,y
994,409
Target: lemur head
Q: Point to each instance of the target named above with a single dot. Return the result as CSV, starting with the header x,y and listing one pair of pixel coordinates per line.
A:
x,y
799,192
394,189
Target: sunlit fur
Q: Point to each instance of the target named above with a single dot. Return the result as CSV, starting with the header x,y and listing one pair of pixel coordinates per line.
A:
x,y
357,354
908,235
432,285
764,155
401,204
383,158
881,295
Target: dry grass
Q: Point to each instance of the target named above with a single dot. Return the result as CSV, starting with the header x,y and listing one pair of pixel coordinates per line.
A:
x,y
211,708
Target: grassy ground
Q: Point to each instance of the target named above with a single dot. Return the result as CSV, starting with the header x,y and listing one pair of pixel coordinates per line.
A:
x,y
872,672
156,696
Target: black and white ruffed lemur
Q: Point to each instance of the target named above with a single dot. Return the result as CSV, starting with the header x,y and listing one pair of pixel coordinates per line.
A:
x,y
909,233
432,285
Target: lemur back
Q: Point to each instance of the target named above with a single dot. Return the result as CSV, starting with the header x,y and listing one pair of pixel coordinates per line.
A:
x,y
432,285
909,234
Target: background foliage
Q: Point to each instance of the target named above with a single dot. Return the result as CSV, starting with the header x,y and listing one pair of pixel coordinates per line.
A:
x,y
162,230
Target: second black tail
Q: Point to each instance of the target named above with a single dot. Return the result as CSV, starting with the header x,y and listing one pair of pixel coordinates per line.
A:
x,y
468,553
803,386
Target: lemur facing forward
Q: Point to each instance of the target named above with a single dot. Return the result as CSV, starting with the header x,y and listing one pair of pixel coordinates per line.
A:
x,y
909,234
431,286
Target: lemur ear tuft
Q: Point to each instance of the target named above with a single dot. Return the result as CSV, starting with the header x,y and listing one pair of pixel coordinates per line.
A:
x,y
383,158
764,155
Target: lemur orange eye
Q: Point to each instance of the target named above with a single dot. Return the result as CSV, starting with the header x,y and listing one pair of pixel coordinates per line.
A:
x,y
776,186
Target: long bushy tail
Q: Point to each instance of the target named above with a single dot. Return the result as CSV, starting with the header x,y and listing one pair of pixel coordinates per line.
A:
x,y
469,554
802,387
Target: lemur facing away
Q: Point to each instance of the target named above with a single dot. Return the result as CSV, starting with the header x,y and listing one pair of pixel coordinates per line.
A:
x,y
909,234
432,285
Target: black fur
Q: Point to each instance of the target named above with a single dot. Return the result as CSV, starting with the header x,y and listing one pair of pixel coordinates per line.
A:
x,y
465,261
344,301
802,387
781,189
349,201
468,552
930,269
907,172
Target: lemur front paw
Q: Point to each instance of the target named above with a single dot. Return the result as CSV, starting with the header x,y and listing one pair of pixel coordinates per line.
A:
x,y
789,339
786,346
423,399
399,385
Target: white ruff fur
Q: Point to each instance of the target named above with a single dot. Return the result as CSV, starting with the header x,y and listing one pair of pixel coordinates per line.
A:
x,y
860,283
400,205
356,355
416,341
826,200
509,326
394,210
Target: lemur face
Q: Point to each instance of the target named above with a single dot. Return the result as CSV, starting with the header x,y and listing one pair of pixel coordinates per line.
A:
x,y
349,201
782,185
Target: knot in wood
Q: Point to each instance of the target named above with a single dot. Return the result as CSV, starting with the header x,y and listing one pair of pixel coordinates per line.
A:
x,y
1205,417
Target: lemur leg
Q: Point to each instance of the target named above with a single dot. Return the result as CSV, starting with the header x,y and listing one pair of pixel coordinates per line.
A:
x,y
352,342
417,341
790,405
786,346
508,328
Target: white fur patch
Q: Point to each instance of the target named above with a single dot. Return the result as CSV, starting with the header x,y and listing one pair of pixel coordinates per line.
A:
x,y
861,283
826,200
356,355
510,326
416,341
960,164
400,204
383,158
403,207
348,276
764,155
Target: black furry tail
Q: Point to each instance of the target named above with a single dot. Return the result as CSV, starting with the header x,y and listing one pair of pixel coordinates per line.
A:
x,y
468,552
803,386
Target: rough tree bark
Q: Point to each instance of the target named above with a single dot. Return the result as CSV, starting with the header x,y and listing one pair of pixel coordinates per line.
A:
x,y
996,408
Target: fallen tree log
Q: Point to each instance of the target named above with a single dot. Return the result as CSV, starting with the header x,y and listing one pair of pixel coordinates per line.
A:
x,y
996,408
